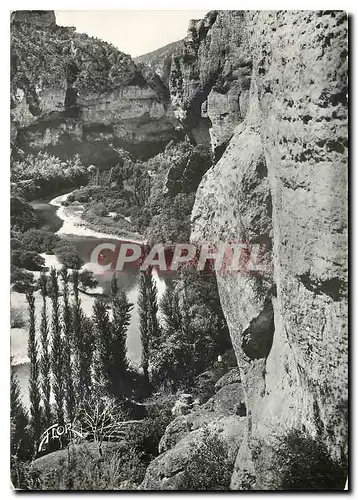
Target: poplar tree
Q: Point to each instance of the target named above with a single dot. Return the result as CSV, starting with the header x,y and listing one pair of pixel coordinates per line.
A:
x,y
103,341
20,448
114,286
150,332
82,344
68,347
18,421
57,350
45,364
144,323
121,320
34,379
152,302
170,309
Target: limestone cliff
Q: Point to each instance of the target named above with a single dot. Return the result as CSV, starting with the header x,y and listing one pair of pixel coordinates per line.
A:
x,y
160,60
76,94
282,180
268,92
210,77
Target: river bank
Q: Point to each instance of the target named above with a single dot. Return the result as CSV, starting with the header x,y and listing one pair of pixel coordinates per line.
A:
x,y
67,223
73,224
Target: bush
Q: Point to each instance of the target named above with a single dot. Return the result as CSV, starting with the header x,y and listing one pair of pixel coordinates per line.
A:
x,y
23,476
67,255
40,241
148,434
18,274
304,463
208,466
119,468
22,287
23,216
36,176
87,279
15,244
27,259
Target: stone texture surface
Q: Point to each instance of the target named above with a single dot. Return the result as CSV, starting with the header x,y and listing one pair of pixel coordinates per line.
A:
x,y
67,117
282,181
210,77
219,414
130,117
231,377
267,91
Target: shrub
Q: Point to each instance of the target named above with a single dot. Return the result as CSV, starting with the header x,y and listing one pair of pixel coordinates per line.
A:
x,y
67,255
22,287
40,241
23,476
27,259
87,279
18,274
118,468
23,216
35,176
15,244
304,463
148,434
208,466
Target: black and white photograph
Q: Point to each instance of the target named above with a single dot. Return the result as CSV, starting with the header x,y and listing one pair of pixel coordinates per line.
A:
x,y
179,250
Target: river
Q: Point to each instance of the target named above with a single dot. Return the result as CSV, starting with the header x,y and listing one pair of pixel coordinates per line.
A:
x,y
64,221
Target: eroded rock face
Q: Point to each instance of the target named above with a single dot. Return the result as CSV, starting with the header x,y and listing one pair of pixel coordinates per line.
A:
x,y
283,178
69,113
210,78
131,117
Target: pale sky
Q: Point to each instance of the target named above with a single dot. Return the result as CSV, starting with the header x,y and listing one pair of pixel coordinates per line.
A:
x,y
134,32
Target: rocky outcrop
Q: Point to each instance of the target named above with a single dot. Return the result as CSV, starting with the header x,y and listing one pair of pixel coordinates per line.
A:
x,y
132,118
39,18
160,60
210,78
222,414
282,182
73,94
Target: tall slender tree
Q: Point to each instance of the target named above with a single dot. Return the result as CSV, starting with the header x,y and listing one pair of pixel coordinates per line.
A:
x,y
150,331
82,344
20,448
144,323
103,342
68,345
18,421
34,379
170,309
121,320
114,286
152,295
45,364
57,349
185,317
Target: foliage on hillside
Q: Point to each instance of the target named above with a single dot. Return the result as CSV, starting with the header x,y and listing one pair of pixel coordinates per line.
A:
x,y
23,216
43,174
52,56
154,198
209,467
159,60
194,332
